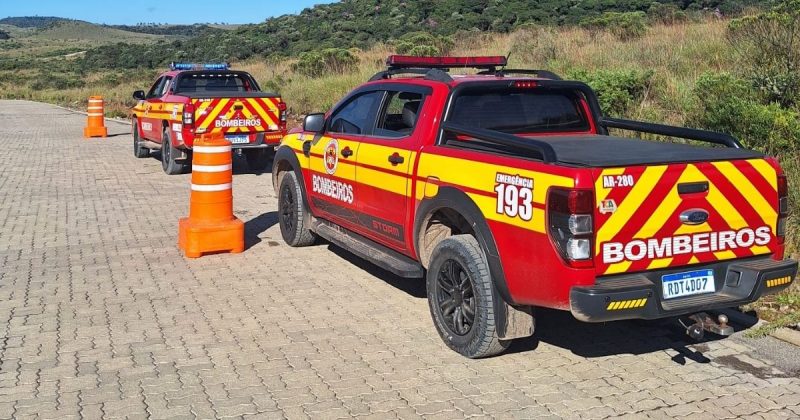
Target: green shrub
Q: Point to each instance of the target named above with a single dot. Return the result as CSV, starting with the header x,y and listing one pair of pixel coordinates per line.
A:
x,y
422,44
624,26
535,44
769,43
48,80
327,61
729,104
666,13
617,90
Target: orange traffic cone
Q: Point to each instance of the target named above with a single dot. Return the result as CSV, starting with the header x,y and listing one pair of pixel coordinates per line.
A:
x,y
96,124
211,225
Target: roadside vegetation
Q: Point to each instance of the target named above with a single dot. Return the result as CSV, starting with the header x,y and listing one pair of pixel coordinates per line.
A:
x,y
730,69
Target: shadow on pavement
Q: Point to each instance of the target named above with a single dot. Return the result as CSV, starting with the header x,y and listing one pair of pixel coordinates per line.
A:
x,y
413,287
256,226
561,329
240,167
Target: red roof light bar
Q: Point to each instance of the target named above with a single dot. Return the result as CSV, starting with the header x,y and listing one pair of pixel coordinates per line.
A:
x,y
407,61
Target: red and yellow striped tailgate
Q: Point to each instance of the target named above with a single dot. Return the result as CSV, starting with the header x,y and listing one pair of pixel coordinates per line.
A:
x,y
645,217
237,115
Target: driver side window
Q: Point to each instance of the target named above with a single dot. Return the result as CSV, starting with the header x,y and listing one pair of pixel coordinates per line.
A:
x,y
155,91
357,116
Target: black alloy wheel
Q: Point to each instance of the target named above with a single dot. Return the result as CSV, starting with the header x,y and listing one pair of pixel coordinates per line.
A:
x,y
455,298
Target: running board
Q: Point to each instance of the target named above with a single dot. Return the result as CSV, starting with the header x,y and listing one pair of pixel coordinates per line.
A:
x,y
150,144
369,250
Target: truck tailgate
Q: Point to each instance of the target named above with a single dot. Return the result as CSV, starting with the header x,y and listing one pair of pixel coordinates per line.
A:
x,y
651,217
243,115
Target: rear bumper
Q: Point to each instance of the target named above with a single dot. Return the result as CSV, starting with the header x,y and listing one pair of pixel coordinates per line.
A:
x,y
639,296
263,141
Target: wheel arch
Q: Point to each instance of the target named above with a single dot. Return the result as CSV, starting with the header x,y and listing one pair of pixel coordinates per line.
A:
x,y
453,199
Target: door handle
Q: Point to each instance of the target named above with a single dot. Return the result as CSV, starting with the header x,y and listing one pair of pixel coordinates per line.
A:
x,y
396,159
307,148
346,152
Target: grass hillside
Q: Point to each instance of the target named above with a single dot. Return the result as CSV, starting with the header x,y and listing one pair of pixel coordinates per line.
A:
x,y
32,21
34,48
90,33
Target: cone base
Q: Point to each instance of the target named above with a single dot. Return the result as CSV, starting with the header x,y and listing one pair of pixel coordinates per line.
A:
x,y
196,239
89,132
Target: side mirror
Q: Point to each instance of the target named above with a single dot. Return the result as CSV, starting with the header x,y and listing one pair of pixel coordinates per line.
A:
x,y
314,123
139,94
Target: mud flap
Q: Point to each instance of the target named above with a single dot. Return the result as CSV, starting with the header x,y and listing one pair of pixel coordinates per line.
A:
x,y
514,321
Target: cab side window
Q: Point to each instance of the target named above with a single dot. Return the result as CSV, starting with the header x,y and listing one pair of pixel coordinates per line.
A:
x,y
155,91
165,86
358,115
399,116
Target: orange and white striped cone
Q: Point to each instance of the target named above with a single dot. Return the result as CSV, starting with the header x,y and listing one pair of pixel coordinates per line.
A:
x,y
211,226
96,123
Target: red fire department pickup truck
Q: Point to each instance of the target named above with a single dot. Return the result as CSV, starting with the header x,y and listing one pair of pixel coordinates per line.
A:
x,y
193,99
506,192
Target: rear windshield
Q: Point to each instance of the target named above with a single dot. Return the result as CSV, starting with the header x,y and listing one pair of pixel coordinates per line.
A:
x,y
519,111
214,82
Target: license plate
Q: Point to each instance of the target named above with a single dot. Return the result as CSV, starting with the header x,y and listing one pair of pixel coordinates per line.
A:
x,y
238,139
687,284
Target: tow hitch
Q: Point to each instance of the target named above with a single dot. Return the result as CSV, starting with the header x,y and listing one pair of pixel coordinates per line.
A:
x,y
704,322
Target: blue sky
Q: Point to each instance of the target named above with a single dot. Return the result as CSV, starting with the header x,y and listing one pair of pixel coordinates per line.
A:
x,y
116,12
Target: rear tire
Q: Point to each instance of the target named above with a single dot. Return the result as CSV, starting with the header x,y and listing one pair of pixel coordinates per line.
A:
x,y
168,152
258,159
461,297
138,150
292,213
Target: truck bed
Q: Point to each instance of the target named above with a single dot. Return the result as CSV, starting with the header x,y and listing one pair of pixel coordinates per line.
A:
x,y
608,151
214,95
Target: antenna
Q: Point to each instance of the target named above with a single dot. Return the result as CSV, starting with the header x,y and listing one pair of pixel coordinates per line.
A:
x,y
508,57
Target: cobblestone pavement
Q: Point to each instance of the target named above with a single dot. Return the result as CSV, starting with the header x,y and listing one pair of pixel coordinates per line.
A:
x,y
101,316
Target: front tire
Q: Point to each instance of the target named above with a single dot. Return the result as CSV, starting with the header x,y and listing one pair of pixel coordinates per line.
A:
x,y
462,297
292,213
138,150
168,162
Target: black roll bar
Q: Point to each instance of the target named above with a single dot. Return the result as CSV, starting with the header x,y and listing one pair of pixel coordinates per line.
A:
x,y
531,144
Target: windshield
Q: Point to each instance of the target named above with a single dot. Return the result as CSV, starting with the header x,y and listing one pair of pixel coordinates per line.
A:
x,y
519,111
214,82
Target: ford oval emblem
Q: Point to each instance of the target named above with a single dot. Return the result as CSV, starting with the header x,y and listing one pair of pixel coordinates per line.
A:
x,y
694,217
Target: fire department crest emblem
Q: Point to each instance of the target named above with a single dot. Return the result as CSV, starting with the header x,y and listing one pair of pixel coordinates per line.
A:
x,y
331,156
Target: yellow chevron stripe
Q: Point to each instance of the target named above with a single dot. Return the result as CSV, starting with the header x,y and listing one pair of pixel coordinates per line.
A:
x,y
755,198
601,192
212,116
767,171
632,202
263,113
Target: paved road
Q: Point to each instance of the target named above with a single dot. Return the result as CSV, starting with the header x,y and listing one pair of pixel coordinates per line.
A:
x,y
101,316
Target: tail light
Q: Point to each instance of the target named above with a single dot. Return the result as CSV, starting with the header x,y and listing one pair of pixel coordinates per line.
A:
x,y
188,116
783,208
282,111
571,225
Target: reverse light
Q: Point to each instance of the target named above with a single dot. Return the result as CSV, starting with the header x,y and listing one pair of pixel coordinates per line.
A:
x,y
579,249
198,66
571,224
398,61
580,224
188,116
